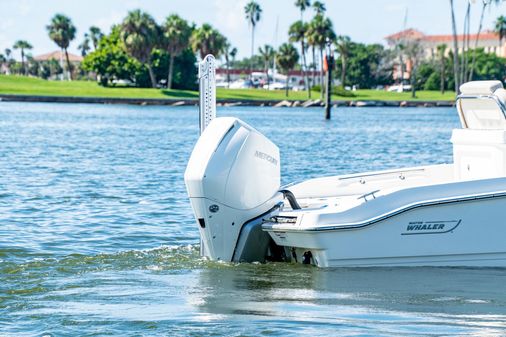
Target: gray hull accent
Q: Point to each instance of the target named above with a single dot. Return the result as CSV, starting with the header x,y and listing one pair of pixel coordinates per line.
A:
x,y
253,242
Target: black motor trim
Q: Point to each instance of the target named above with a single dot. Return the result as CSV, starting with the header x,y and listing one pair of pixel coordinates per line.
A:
x,y
258,217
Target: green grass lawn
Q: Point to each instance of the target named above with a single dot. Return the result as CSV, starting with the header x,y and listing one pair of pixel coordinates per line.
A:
x,y
21,85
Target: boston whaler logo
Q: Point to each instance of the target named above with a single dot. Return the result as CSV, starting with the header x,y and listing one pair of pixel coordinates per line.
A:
x,y
431,227
267,157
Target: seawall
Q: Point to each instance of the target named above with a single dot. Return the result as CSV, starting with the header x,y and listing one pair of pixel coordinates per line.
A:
x,y
221,102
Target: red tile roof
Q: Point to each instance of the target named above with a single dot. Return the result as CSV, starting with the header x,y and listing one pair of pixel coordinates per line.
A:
x,y
57,55
416,34
408,33
487,35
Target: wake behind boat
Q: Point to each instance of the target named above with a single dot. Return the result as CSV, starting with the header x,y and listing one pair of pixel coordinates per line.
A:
x,y
438,215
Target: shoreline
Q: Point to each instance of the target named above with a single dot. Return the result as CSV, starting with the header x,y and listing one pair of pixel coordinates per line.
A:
x,y
223,102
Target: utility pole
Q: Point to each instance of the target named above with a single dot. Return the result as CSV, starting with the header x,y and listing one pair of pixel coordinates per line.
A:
x,y
328,65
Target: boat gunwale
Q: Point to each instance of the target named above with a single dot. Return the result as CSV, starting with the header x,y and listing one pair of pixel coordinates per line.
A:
x,y
270,227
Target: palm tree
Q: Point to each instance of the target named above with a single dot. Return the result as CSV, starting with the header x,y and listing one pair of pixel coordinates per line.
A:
x,y
500,28
267,53
414,53
297,33
3,60
311,37
465,43
95,35
22,45
253,13
343,48
140,35
484,6
8,54
319,7
84,47
319,31
232,54
302,5
455,49
441,51
62,31
176,33
32,66
207,40
287,58
400,48
228,52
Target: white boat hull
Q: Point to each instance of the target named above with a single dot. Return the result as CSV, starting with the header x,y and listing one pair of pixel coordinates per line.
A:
x,y
465,233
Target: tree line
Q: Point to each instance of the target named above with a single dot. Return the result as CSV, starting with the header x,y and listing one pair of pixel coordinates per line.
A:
x,y
148,53
464,65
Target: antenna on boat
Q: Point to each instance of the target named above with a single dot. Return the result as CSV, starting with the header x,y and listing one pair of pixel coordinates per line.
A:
x,y
207,91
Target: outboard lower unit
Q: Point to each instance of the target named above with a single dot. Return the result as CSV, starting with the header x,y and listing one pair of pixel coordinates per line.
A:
x,y
233,178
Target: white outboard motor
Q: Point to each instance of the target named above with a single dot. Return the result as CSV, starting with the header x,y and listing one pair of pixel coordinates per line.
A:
x,y
232,178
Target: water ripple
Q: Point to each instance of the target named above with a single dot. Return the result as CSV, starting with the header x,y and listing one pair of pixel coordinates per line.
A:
x,y
97,236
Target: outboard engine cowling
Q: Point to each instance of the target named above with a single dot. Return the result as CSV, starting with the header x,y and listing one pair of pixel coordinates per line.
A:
x,y
232,179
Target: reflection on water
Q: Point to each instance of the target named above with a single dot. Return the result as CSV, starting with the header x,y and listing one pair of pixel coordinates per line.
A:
x,y
389,301
97,236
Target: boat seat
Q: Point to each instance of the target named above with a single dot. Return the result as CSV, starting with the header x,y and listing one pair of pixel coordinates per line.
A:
x,y
480,87
482,105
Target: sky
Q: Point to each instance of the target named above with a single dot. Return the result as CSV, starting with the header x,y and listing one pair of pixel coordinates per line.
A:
x,y
367,21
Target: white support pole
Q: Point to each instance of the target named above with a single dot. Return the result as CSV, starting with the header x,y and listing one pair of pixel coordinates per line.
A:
x,y
207,91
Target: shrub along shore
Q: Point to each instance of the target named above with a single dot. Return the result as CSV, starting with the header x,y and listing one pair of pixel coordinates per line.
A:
x,y
20,88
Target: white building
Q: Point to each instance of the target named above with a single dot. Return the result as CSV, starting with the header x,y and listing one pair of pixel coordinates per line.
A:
x,y
487,40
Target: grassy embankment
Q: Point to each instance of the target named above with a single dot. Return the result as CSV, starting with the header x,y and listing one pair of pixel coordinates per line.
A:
x,y
20,85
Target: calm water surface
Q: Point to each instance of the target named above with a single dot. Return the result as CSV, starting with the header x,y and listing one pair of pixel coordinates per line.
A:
x,y
97,235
